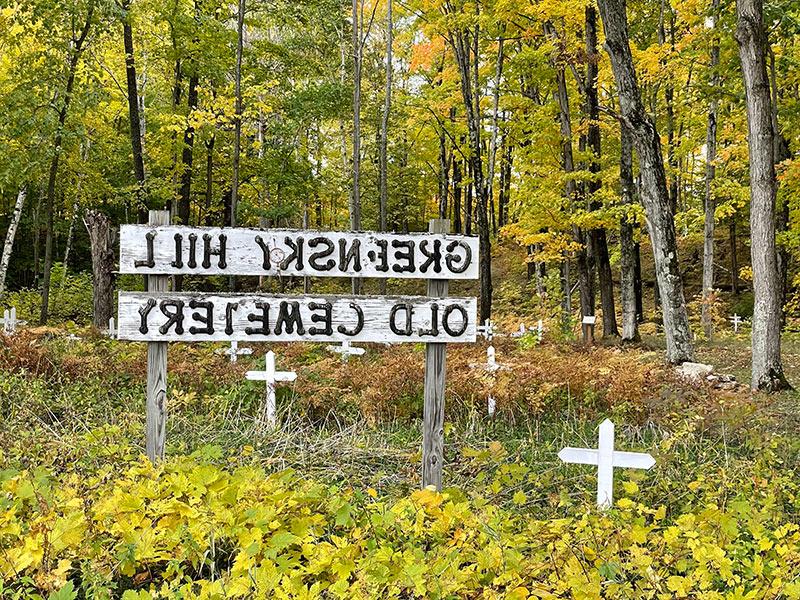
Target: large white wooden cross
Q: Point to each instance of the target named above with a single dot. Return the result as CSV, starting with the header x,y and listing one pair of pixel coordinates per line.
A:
x,y
272,377
606,458
346,350
736,320
234,351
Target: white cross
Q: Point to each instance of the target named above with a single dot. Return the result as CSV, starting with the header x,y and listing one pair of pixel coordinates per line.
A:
x,y
492,366
539,331
606,458
346,350
234,351
736,320
112,328
271,376
9,321
522,331
486,330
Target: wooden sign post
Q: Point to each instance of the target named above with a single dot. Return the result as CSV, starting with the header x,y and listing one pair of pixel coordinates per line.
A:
x,y
587,329
156,366
158,250
606,458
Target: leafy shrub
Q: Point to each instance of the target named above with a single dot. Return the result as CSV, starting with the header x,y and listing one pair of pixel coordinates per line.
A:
x,y
70,298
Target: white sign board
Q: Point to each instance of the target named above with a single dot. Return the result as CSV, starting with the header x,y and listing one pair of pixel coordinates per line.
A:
x,y
589,320
195,317
171,250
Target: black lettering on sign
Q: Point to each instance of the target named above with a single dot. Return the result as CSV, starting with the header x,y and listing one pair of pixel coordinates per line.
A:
x,y
348,257
178,262
229,308
289,316
455,262
266,265
407,255
431,258
173,318
151,259
359,322
206,319
220,251
434,330
406,330
381,255
192,264
144,311
296,255
262,318
314,259
446,320
325,317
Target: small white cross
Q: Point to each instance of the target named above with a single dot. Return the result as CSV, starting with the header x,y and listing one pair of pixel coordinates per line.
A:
x,y
491,366
606,458
736,320
486,330
112,328
10,321
234,351
539,331
346,350
521,331
271,376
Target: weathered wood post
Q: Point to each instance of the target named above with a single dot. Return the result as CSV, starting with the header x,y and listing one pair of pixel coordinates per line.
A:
x,y
156,432
587,329
435,367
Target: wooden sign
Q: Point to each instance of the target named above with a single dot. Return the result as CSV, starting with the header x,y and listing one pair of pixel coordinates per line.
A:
x,y
171,250
190,317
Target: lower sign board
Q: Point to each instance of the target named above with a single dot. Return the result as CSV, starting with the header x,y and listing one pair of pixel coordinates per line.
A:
x,y
196,317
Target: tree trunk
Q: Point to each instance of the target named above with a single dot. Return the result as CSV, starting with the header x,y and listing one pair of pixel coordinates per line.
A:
x,y
208,217
710,203
10,235
630,326
456,193
637,282
384,137
598,235
101,239
570,191
187,155
134,116
237,123
498,76
77,49
355,193
734,256
767,369
654,183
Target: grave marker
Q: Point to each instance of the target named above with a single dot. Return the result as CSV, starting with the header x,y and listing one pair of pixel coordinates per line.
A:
x,y
486,330
346,350
587,328
271,377
736,320
10,321
491,366
606,458
234,351
112,328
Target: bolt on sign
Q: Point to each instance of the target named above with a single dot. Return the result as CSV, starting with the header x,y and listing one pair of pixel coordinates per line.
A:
x,y
158,316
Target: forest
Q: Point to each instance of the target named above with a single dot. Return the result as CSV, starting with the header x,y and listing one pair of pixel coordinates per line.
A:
x,y
615,186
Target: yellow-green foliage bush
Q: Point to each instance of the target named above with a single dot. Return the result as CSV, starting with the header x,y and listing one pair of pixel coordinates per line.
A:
x,y
190,529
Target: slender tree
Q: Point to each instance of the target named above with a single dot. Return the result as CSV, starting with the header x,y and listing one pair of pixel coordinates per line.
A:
x,y
654,184
767,368
11,233
627,244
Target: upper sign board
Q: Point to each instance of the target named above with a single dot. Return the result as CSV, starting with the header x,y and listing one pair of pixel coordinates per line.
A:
x,y
173,250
